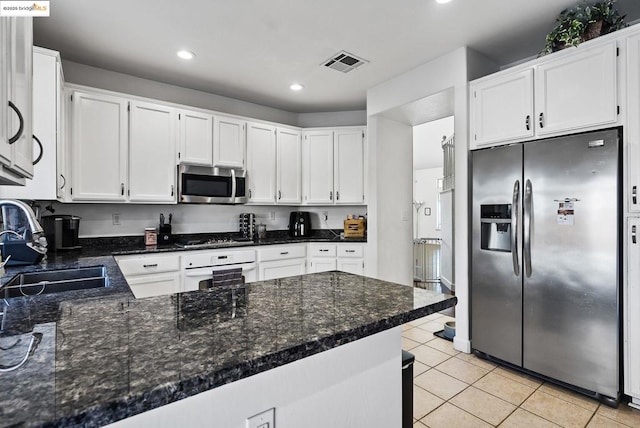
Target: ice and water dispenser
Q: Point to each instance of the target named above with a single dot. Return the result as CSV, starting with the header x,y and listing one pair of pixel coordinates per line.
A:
x,y
495,227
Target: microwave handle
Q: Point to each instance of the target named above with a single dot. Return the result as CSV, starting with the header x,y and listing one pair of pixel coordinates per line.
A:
x,y
233,184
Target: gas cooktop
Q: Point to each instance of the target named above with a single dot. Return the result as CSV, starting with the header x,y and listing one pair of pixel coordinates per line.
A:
x,y
214,243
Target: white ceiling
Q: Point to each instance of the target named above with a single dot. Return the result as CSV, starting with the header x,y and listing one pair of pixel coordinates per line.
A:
x,y
253,49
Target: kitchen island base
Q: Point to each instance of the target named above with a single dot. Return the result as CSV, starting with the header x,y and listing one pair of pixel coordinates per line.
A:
x,y
354,385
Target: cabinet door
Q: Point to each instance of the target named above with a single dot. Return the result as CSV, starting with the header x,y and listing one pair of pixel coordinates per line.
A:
x,y
229,142
196,138
321,264
349,265
631,315
502,109
577,90
261,163
317,171
155,285
46,91
632,166
289,166
152,145
20,93
349,166
282,268
5,113
99,147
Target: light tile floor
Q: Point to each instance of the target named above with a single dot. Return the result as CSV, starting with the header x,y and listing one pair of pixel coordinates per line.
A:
x,y
453,389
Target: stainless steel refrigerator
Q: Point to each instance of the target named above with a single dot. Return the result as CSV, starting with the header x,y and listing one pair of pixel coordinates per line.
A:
x,y
545,259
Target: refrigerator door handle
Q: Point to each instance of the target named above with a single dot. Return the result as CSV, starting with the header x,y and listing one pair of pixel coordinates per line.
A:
x,y
527,228
515,208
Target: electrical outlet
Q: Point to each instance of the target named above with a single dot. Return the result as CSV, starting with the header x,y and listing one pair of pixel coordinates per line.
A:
x,y
115,217
325,215
266,419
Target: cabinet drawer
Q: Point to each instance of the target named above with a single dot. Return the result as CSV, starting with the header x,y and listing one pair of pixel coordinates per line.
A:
x,y
282,252
148,264
322,250
350,250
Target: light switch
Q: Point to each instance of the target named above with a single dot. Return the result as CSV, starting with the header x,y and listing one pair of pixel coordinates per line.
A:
x,y
265,419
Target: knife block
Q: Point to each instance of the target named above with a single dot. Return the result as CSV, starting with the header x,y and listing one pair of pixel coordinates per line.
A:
x,y
164,234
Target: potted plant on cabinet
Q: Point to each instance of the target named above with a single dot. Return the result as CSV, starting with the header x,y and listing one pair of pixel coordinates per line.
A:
x,y
583,22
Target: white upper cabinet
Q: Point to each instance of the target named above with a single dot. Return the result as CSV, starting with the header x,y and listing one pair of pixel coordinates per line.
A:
x,y
196,138
349,166
633,124
576,91
289,166
570,91
99,147
152,146
47,90
502,108
229,142
16,70
261,163
317,167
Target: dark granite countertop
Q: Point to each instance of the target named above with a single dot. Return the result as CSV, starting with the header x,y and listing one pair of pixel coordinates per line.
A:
x,y
105,355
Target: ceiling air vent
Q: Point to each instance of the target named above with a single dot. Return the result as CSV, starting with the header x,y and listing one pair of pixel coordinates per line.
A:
x,y
344,62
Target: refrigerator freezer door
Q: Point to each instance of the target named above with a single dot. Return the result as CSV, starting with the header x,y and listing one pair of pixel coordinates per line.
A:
x,y
570,324
496,285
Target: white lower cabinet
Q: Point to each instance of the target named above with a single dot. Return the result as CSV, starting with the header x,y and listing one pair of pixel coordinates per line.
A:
x,y
279,261
344,257
152,274
631,315
322,257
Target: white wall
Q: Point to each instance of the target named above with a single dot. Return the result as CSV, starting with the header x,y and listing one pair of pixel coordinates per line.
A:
x,y
338,118
97,218
453,70
425,189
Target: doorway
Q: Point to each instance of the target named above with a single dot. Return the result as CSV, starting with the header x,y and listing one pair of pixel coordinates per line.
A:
x,y
433,143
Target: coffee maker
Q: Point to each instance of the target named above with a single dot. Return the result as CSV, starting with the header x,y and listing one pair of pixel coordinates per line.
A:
x,y
62,231
300,224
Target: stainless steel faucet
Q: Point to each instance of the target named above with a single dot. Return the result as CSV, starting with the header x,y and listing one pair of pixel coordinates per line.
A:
x,y
35,227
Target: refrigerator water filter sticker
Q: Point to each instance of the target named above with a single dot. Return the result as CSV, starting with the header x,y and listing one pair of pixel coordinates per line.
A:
x,y
566,214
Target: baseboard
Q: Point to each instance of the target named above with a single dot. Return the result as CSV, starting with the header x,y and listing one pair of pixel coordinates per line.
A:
x,y
462,345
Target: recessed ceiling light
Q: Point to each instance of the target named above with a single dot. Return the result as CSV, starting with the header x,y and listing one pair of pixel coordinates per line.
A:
x,y
296,87
443,1
186,54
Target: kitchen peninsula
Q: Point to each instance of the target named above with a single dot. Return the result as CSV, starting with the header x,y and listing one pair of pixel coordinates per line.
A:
x,y
322,349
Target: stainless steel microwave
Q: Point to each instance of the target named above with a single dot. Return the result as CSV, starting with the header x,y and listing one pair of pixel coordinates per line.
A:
x,y
210,185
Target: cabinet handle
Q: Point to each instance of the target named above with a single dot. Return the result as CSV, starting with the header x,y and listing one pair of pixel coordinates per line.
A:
x,y
527,122
634,195
21,119
633,234
541,120
337,195
349,251
121,189
323,250
172,190
41,150
64,181
151,265
331,195
284,253
279,195
249,193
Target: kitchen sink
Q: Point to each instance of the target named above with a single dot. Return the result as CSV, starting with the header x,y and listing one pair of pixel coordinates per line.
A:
x,y
55,281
